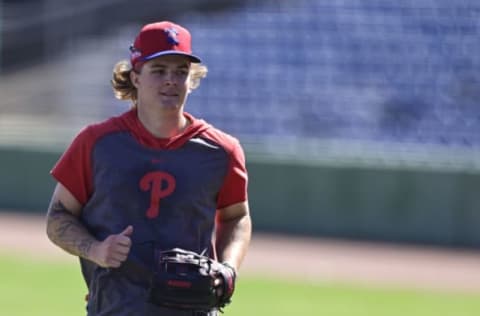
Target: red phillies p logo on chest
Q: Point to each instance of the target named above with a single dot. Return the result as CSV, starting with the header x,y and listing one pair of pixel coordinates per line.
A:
x,y
160,184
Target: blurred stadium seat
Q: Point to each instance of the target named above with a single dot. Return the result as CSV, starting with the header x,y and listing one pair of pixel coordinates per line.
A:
x,y
403,73
380,70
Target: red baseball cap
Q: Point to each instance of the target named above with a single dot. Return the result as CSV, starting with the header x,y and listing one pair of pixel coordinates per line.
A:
x,y
160,39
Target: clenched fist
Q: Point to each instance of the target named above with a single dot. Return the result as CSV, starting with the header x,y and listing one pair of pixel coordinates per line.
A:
x,y
113,251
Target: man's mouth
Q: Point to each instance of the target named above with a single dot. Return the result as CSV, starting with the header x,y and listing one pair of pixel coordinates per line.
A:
x,y
166,94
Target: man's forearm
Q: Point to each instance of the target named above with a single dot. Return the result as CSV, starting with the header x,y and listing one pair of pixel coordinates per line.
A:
x,y
66,231
233,239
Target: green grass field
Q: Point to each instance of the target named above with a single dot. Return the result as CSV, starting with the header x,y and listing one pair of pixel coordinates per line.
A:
x,y
43,289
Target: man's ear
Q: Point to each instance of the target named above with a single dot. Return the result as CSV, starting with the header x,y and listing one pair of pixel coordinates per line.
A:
x,y
134,78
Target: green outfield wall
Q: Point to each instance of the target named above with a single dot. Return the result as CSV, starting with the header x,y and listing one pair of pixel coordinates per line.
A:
x,y
413,206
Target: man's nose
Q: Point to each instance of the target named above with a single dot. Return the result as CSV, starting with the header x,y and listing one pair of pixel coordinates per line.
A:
x,y
170,78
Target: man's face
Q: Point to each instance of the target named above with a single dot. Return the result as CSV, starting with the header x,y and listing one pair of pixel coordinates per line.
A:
x,y
163,82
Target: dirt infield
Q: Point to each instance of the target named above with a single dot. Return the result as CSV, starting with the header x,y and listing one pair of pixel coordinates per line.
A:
x,y
318,260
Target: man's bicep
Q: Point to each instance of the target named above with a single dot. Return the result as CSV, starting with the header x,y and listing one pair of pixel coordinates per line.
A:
x,y
64,201
234,211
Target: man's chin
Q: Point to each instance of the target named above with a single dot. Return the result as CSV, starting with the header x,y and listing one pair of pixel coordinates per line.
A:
x,y
170,106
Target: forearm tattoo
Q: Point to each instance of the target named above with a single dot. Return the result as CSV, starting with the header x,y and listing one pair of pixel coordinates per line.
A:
x,y
66,230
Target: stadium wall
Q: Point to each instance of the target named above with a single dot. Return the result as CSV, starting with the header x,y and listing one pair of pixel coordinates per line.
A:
x,y
367,203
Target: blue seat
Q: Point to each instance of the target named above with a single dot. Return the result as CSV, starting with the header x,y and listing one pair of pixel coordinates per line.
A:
x,y
335,69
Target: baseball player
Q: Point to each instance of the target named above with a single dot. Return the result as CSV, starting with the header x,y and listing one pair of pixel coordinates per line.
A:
x,y
151,179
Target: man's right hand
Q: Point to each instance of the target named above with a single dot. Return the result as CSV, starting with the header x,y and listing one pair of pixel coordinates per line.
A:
x,y
114,250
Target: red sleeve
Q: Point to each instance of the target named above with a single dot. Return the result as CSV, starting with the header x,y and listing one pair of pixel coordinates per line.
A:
x,y
74,168
234,189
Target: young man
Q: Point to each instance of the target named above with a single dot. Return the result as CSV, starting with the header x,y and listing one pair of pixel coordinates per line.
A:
x,y
149,180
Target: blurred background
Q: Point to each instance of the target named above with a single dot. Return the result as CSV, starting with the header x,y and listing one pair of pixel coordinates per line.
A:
x,y
360,119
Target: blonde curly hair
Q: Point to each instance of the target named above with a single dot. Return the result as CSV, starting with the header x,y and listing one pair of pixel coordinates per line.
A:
x,y
124,89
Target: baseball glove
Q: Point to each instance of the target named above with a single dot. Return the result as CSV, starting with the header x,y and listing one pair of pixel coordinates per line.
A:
x,y
187,280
